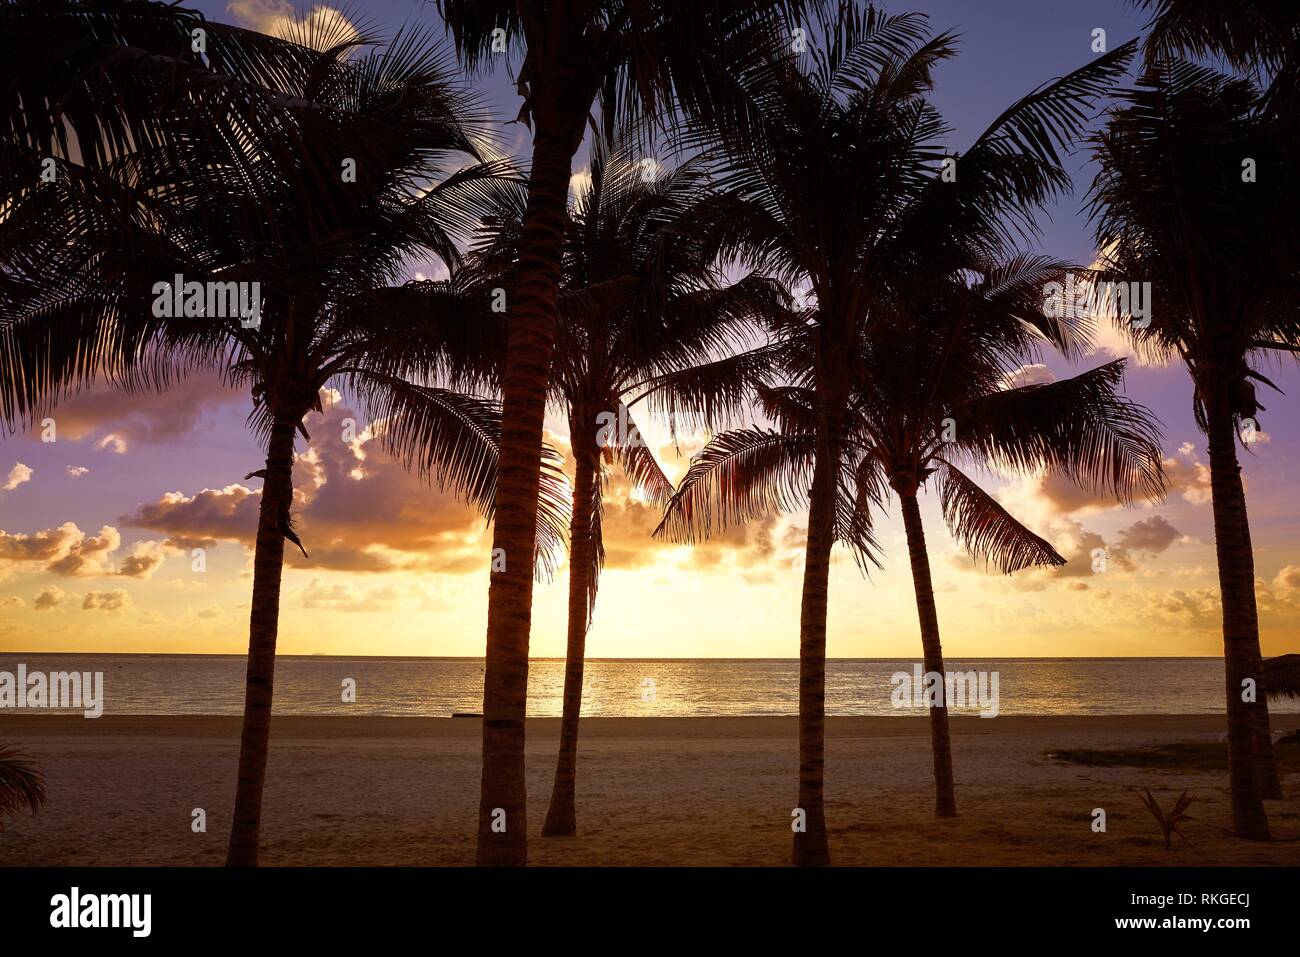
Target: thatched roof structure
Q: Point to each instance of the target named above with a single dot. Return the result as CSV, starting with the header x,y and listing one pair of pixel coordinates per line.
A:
x,y
1282,676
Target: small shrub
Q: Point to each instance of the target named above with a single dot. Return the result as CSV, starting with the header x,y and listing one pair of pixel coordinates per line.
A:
x,y
1169,822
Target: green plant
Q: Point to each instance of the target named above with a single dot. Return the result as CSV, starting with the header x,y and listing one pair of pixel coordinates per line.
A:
x,y
1169,823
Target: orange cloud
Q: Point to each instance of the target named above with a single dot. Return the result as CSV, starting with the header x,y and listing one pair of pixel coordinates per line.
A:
x,y
110,601
71,553
116,420
628,522
1187,476
49,598
355,509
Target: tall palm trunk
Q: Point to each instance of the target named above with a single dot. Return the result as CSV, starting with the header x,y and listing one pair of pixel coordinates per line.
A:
x,y
263,627
561,818
1240,624
1270,785
810,847
945,796
502,829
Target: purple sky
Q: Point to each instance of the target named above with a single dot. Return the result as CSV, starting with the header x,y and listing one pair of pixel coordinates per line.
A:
x,y
745,588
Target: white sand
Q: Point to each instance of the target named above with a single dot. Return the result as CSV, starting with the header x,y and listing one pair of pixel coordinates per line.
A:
x,y
662,791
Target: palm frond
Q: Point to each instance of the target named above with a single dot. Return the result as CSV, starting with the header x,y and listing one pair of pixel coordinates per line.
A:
x,y
22,785
1282,676
862,491
711,393
738,477
641,466
987,529
1252,36
1080,427
1017,163
455,440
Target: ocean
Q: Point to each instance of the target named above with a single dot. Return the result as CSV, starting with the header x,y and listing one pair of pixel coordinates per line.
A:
x,y
214,684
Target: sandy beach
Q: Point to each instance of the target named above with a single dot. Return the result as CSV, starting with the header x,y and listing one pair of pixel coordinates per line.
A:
x,y
652,791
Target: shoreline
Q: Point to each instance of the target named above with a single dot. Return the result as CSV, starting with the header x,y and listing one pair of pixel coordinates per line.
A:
x,y
299,723
651,791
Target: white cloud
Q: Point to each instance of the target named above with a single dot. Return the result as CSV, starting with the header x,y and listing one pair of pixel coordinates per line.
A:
x,y
113,442
579,183
1282,593
1036,374
1188,476
17,476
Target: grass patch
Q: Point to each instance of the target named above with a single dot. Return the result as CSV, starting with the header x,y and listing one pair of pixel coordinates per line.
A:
x,y
1182,756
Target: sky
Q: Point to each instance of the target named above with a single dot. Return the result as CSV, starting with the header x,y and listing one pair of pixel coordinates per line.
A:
x,y
99,527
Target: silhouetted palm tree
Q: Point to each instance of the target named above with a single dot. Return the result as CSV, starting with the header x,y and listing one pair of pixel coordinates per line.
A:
x,y
836,189
642,58
321,188
640,297
21,784
1258,36
1195,196
933,393
1262,39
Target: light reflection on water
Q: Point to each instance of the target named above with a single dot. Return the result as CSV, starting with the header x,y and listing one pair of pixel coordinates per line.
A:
x,y
194,684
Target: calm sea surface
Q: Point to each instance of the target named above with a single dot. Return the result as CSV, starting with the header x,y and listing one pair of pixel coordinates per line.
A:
x,y
214,684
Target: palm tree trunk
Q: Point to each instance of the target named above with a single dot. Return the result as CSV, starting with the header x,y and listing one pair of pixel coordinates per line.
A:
x,y
810,847
561,817
1240,623
945,796
1270,785
502,830
263,627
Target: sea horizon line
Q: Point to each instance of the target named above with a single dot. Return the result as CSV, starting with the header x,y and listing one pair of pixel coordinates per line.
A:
x,y
794,660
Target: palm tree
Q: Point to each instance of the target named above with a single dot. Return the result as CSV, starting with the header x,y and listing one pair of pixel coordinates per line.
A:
x,y
835,190
1221,258
934,396
640,298
21,784
931,395
646,58
258,196
1261,38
